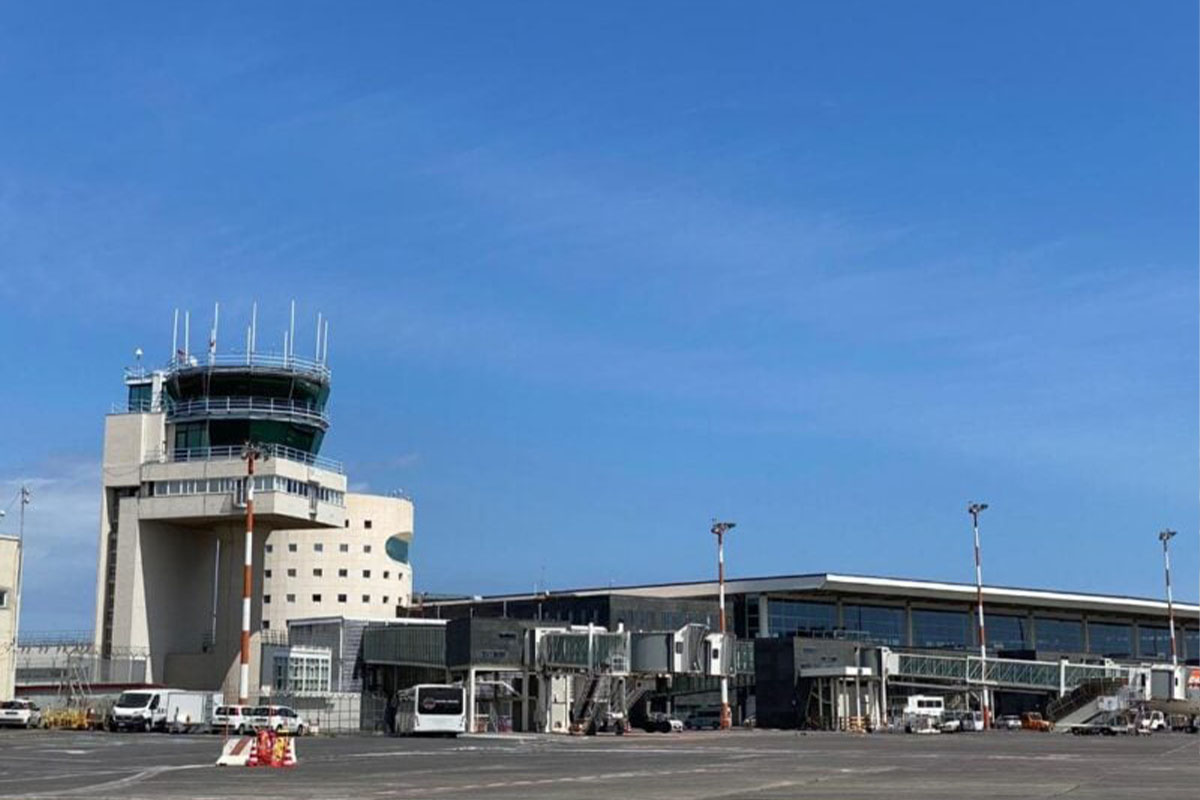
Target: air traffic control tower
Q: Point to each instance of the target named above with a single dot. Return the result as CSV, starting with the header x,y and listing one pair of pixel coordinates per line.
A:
x,y
173,518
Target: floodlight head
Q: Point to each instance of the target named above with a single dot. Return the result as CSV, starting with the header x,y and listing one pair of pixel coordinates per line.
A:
x,y
974,509
719,528
138,354
1166,535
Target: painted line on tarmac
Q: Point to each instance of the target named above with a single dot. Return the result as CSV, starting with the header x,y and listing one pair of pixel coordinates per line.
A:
x,y
120,783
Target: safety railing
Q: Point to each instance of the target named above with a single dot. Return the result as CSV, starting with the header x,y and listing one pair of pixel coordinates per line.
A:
x,y
248,406
234,453
228,361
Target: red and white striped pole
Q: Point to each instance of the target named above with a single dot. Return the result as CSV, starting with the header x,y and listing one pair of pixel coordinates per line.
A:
x,y
975,509
720,529
247,579
1164,537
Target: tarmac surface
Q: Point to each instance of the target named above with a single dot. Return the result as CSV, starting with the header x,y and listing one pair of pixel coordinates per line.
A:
x,y
758,765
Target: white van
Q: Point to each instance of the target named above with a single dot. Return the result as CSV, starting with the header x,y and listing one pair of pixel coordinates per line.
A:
x,y
139,710
922,705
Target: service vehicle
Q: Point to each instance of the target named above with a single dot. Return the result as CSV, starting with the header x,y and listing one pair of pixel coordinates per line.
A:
x,y
1008,722
280,719
972,721
431,708
232,718
189,711
1113,724
1033,721
140,709
658,722
20,713
704,719
951,723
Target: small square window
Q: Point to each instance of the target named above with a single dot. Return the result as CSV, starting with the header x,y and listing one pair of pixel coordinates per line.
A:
x,y
291,547
316,598
291,598
266,598
343,548
385,599
270,548
366,573
291,572
341,598
347,523
318,548
266,624
366,598
386,574
266,573
343,573
367,524
366,548
318,572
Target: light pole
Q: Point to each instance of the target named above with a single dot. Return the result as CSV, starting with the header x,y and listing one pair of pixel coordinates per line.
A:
x,y
1165,537
975,509
251,452
719,530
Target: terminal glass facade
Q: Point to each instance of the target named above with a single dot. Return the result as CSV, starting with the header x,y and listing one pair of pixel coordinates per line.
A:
x,y
946,630
1154,642
1110,640
789,617
880,624
1191,644
1059,635
1005,632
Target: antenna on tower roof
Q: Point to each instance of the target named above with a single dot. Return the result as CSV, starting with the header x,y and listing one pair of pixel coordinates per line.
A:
x,y
325,345
187,335
212,340
291,340
175,337
317,354
253,326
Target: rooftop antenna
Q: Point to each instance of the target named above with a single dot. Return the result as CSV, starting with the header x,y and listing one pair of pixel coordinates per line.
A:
x,y
285,348
291,341
175,337
212,341
325,345
317,355
247,345
187,335
253,326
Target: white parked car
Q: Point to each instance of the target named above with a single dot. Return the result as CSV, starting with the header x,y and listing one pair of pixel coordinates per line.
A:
x,y
235,719
280,719
20,713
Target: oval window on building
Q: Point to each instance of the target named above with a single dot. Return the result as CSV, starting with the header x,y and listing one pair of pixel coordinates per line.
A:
x,y
397,549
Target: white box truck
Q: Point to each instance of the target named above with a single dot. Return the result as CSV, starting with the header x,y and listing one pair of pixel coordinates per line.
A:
x,y
190,711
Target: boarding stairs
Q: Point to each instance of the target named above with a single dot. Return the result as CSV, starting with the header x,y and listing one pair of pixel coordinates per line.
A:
x,y
1087,701
596,697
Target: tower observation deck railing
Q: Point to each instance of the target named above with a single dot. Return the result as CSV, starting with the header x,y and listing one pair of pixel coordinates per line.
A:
x,y
234,453
266,407
232,361
1001,672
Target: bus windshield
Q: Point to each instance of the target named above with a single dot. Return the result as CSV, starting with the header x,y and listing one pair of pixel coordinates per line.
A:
x,y
439,700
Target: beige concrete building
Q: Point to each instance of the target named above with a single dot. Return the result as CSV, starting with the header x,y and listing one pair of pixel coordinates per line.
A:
x,y
360,570
172,545
10,557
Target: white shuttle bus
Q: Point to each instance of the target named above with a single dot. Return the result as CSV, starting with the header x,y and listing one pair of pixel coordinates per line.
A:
x,y
435,709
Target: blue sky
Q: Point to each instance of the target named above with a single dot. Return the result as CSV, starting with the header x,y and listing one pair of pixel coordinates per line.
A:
x,y
597,273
